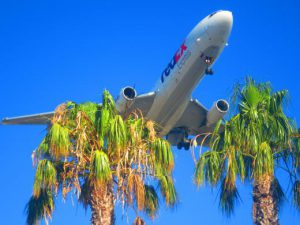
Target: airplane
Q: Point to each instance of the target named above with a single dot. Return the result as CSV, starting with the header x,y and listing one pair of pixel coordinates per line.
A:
x,y
170,104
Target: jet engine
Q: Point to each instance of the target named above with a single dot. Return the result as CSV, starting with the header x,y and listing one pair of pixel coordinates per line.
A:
x,y
217,112
125,99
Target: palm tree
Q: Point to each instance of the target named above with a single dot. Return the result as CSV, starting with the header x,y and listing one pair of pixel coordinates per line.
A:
x,y
92,151
250,146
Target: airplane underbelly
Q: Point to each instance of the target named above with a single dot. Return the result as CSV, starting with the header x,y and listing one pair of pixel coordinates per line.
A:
x,y
175,107
170,105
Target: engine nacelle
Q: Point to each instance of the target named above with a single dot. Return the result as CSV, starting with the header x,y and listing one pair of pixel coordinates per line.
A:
x,y
125,99
217,112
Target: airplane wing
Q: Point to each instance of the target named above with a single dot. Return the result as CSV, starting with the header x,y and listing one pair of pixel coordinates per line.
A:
x,y
143,103
192,122
38,119
193,118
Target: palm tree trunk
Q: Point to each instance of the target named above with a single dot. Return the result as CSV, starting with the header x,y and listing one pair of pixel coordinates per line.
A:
x,y
265,207
102,205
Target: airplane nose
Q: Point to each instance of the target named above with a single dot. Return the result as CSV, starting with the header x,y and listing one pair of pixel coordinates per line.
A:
x,y
220,25
224,20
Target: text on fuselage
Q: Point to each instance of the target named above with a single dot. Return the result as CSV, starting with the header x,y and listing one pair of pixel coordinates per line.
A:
x,y
178,55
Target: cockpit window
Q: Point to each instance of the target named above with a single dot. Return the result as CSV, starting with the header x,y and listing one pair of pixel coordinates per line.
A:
x,y
213,13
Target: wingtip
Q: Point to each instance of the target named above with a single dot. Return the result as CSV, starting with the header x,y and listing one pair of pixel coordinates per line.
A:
x,y
3,121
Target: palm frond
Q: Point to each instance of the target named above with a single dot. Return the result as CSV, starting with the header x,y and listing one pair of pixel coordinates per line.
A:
x,y
200,170
213,168
277,192
59,141
100,171
251,97
108,102
151,201
45,177
229,196
277,100
43,149
163,153
135,130
117,134
232,167
296,194
139,221
150,132
263,162
84,197
167,189
296,153
40,207
90,109
103,124
241,167
137,189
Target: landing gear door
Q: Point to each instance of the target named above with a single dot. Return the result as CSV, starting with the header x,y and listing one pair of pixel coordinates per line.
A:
x,y
209,55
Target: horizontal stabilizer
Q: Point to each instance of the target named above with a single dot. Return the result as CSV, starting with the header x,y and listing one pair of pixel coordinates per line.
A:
x,y
38,119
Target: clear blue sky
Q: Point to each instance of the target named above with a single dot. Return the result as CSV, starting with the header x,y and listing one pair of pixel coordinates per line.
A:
x,y
52,51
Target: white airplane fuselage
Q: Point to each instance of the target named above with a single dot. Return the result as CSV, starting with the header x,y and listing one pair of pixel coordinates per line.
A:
x,y
199,51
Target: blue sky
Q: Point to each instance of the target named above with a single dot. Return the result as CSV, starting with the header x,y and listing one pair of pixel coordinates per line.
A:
x,y
53,51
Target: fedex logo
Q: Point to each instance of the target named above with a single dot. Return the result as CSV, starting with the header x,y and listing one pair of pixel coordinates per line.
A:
x,y
173,62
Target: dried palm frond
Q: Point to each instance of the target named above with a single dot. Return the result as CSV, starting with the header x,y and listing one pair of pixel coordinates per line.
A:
x,y
139,221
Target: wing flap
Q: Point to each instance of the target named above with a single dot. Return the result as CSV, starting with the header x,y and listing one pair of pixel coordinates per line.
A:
x,y
193,117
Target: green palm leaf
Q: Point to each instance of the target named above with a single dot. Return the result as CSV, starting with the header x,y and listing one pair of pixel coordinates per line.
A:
x,y
59,141
168,190
45,177
163,153
100,168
